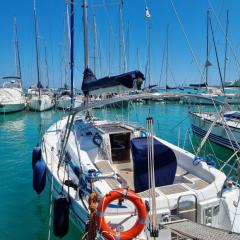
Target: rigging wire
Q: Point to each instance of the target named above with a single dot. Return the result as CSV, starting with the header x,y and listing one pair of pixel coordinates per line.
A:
x,y
187,41
208,132
227,37
225,54
167,67
215,48
209,48
227,210
148,41
163,57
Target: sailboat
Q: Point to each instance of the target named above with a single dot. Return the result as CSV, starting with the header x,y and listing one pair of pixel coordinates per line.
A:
x,y
116,180
110,159
39,98
214,93
211,93
225,127
12,97
158,92
65,98
112,86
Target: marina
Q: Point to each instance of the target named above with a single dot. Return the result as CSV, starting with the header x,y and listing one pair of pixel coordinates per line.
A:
x,y
104,145
22,125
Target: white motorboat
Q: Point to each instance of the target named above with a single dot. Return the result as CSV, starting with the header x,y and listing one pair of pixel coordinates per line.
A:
x,y
84,155
12,98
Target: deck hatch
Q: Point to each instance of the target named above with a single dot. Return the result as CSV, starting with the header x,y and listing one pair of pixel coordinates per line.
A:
x,y
113,128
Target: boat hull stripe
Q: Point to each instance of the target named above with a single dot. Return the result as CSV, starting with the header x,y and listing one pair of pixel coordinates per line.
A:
x,y
215,138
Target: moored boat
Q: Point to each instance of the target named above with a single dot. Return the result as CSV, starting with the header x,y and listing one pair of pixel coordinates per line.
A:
x,y
225,127
12,98
103,156
39,98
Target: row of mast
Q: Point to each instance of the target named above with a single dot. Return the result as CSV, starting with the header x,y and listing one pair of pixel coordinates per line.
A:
x,y
122,47
208,63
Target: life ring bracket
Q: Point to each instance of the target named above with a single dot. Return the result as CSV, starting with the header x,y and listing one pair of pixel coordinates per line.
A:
x,y
139,225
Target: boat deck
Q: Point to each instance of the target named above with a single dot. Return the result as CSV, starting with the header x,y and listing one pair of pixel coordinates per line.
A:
x,y
184,181
192,230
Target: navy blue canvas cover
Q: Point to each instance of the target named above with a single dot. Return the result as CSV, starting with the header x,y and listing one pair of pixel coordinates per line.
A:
x,y
91,83
164,160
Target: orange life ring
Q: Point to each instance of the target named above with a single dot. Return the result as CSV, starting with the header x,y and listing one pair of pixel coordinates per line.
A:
x,y
133,232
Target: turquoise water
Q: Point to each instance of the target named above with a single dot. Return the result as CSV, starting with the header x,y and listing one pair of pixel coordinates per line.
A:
x,y
24,214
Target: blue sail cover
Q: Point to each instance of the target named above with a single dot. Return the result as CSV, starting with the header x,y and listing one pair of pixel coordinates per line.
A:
x,y
128,80
164,160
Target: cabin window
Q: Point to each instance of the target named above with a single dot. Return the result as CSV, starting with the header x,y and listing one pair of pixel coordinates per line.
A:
x,y
120,147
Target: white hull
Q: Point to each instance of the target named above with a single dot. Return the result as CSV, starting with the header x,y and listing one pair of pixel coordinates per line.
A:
x,y
199,101
78,214
229,98
11,100
43,103
63,103
11,107
200,180
202,122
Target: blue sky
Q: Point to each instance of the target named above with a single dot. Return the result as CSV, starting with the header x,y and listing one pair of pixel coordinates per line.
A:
x,y
51,16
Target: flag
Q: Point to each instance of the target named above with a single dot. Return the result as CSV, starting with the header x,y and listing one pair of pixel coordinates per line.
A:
x,y
208,64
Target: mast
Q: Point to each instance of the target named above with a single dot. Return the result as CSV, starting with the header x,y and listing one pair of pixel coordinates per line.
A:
x,y
122,45
120,35
215,48
138,61
163,61
148,38
149,54
167,58
95,43
85,33
225,55
37,47
127,55
72,48
109,52
46,66
207,50
18,63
